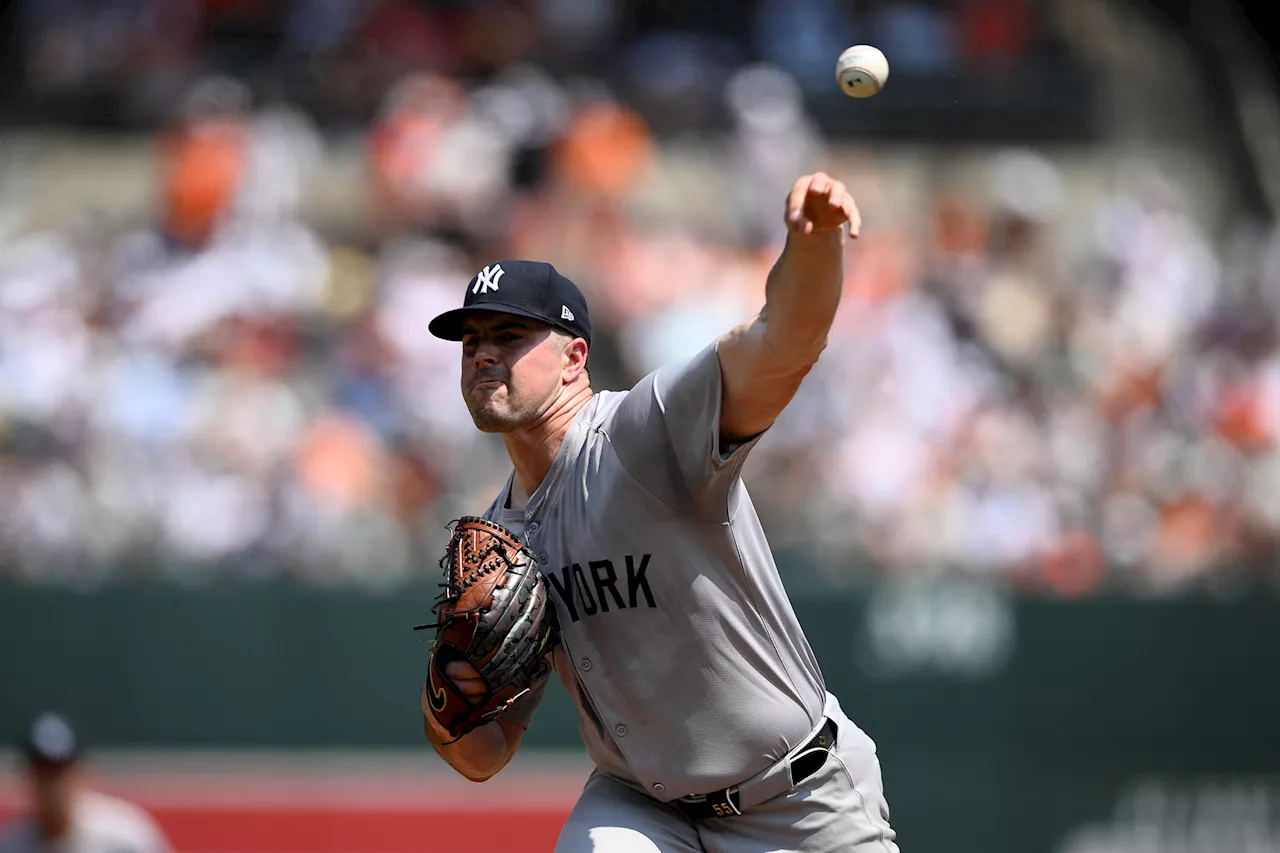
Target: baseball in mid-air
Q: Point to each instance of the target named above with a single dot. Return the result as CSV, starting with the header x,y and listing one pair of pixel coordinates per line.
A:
x,y
861,71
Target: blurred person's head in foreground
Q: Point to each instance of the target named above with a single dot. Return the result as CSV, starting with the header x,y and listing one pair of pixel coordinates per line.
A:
x,y
525,333
53,752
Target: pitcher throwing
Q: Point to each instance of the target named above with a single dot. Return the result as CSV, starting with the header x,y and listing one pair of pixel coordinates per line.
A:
x,y
700,701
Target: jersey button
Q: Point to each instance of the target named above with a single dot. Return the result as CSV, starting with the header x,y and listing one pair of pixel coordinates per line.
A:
x,y
621,730
542,558
533,526
586,664
659,787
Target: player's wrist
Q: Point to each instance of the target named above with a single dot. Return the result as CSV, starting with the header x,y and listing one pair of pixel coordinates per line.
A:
x,y
819,239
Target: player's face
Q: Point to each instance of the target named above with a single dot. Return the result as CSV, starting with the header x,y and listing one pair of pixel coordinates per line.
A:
x,y
511,369
53,789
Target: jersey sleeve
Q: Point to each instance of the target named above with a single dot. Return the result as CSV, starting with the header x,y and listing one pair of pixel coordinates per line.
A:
x,y
666,433
151,838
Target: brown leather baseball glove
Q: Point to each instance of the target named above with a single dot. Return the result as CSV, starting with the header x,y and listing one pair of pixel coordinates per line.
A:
x,y
496,615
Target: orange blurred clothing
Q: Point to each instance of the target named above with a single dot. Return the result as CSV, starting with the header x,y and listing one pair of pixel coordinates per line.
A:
x,y
1074,565
341,463
605,150
1240,417
879,268
1188,535
404,141
202,166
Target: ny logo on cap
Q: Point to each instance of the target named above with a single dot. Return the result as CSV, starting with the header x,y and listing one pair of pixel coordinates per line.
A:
x,y
488,279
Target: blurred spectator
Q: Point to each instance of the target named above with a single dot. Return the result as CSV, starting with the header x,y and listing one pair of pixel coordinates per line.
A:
x,y
205,158
921,37
996,33
802,36
66,814
604,151
773,140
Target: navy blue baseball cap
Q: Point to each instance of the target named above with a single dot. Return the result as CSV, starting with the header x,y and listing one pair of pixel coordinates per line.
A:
x,y
530,289
51,741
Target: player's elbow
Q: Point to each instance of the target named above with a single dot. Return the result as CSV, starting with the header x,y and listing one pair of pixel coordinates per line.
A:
x,y
784,352
759,353
792,354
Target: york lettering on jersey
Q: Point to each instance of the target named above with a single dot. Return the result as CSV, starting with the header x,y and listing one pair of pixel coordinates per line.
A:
x,y
598,587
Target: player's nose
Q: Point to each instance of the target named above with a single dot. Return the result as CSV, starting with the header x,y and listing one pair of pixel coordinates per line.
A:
x,y
486,355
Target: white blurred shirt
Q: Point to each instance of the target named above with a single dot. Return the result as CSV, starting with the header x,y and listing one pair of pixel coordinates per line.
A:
x,y
101,824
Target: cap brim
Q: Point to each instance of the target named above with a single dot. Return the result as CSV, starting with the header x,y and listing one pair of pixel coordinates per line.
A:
x,y
448,326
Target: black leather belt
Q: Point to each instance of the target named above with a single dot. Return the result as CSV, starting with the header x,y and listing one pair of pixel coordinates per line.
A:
x,y
725,802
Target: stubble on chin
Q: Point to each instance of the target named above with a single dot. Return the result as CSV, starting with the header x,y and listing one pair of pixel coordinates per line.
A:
x,y
491,418
485,423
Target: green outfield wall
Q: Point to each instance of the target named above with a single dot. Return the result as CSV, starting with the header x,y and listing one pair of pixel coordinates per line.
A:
x,y
1018,725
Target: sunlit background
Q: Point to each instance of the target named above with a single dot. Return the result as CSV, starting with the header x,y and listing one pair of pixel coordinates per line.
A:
x,y
1027,504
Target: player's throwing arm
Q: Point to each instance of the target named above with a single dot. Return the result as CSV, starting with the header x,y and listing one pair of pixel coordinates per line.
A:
x,y
765,359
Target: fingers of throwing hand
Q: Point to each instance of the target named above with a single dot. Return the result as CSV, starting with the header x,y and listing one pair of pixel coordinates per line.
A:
x,y
835,198
819,202
796,200
842,209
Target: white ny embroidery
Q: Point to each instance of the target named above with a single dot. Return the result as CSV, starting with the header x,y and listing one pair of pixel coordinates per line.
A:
x,y
565,313
488,279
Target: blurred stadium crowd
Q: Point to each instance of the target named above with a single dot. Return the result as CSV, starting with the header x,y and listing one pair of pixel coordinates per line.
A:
x,y
126,63
229,390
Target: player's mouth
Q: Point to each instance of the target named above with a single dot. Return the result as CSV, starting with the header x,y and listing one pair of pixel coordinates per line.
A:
x,y
485,383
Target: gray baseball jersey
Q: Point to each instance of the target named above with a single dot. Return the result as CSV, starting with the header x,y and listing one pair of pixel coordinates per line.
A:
x,y
680,648
99,824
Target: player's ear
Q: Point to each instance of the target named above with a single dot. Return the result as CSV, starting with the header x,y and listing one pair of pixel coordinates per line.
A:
x,y
575,358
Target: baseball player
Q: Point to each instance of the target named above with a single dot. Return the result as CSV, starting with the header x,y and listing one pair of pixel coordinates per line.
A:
x,y
67,816
700,701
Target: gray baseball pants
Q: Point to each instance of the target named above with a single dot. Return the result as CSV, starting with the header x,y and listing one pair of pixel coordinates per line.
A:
x,y
840,809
